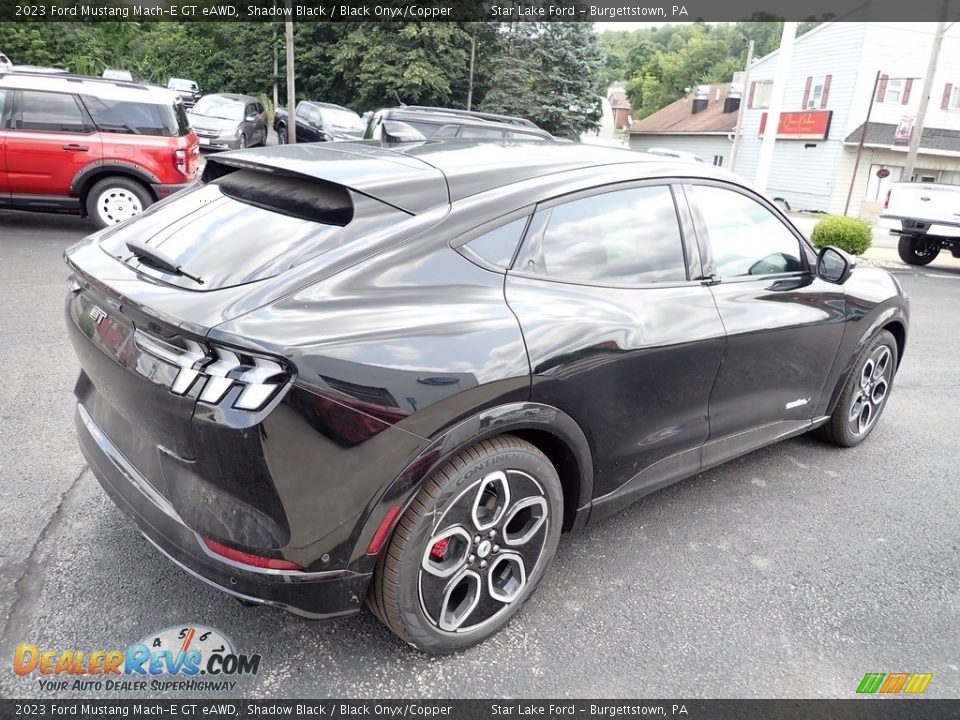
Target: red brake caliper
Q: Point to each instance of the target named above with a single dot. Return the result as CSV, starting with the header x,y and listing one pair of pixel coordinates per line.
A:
x,y
439,549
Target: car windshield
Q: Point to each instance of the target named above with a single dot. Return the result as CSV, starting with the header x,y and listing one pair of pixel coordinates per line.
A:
x,y
181,84
342,120
219,107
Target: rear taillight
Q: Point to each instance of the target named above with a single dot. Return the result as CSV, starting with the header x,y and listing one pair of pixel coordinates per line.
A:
x,y
245,558
218,370
886,201
181,161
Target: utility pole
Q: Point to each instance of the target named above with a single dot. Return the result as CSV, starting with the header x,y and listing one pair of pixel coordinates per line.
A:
x,y
473,51
291,90
776,102
743,101
276,98
863,137
917,134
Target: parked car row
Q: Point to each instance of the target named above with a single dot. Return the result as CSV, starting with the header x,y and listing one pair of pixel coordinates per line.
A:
x,y
109,147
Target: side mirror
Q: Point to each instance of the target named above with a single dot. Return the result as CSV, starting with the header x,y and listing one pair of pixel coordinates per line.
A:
x,y
834,265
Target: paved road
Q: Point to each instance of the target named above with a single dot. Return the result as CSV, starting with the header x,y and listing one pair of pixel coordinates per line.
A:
x,y
790,572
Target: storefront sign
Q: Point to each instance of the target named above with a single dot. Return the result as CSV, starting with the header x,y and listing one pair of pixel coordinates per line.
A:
x,y
807,125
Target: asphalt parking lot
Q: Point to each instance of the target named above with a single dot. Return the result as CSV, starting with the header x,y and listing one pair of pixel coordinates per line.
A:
x,y
787,573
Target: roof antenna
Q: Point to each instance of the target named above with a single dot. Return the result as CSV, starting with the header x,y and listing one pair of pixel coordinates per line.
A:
x,y
397,96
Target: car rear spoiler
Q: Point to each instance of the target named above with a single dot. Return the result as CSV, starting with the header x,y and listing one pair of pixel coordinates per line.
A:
x,y
398,180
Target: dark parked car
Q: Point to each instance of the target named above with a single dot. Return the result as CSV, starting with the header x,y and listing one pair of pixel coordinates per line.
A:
x,y
101,148
434,122
337,371
229,122
319,122
187,89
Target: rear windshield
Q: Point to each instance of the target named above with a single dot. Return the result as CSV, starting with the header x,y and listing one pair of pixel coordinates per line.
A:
x,y
180,84
137,118
224,108
246,226
341,120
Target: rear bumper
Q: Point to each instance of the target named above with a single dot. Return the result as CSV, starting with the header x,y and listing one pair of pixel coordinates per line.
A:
x,y
219,143
911,226
318,595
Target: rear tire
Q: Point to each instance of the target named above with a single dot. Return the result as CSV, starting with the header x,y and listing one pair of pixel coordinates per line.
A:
x,y
916,251
115,199
471,548
865,394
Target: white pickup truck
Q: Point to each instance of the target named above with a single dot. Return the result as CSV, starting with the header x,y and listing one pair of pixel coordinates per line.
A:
x,y
926,216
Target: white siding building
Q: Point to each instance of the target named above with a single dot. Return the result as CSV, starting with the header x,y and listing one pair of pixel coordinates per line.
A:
x,y
833,70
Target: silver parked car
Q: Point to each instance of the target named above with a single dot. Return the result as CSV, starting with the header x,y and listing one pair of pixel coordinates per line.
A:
x,y
229,122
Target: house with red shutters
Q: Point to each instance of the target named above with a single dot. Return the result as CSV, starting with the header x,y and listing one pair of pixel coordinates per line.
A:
x,y
839,72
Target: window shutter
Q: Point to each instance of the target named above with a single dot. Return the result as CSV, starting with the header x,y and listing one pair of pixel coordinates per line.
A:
x,y
882,87
945,103
906,90
806,92
753,88
826,91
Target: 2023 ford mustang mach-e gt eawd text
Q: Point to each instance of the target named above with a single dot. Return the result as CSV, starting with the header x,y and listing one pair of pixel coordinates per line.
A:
x,y
341,371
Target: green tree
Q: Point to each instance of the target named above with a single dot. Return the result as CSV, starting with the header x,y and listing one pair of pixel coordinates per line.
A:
x,y
550,73
415,63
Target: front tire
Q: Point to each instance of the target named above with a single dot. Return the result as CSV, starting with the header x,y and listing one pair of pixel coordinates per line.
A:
x,y
471,548
115,199
865,395
917,251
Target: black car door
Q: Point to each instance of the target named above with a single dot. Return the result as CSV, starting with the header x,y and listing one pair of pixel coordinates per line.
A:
x,y
783,324
619,335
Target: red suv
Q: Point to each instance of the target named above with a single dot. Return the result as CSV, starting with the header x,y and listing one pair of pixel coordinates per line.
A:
x,y
102,148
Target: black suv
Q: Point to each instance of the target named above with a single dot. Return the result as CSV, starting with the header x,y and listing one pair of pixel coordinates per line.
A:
x,y
341,371
434,122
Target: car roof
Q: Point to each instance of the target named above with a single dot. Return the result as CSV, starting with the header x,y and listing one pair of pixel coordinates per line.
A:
x,y
234,96
328,106
411,176
463,117
105,88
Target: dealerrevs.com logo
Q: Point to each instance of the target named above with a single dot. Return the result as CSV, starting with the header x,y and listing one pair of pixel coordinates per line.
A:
x,y
185,658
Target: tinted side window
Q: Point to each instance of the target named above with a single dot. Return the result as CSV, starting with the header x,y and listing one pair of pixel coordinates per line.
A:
x,y
469,131
745,237
51,112
134,118
498,245
426,129
625,237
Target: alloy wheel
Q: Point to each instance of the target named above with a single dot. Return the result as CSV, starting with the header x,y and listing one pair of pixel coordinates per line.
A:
x,y
484,547
873,385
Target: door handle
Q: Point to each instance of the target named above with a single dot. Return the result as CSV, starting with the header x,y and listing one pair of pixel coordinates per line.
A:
x,y
76,148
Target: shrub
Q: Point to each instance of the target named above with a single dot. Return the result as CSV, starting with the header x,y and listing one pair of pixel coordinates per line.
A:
x,y
268,105
850,234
